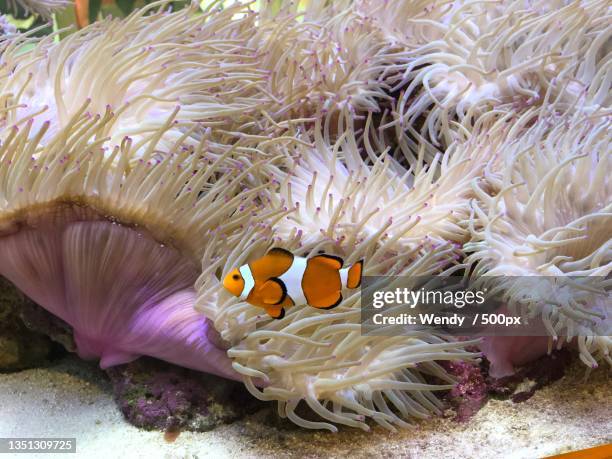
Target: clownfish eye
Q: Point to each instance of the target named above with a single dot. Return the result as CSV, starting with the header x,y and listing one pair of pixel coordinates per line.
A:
x,y
236,277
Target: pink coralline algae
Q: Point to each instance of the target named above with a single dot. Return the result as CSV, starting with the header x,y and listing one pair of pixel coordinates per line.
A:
x,y
156,395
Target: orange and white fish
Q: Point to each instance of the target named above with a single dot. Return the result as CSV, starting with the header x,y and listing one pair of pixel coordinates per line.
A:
x,y
279,280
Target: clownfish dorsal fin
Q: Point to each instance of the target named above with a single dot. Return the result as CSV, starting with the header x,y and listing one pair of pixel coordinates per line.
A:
x,y
330,261
280,252
273,291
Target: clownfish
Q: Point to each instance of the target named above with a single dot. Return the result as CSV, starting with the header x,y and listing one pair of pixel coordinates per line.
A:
x,y
279,280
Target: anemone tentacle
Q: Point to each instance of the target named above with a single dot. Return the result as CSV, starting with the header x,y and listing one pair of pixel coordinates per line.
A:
x,y
372,207
321,61
548,213
457,60
142,68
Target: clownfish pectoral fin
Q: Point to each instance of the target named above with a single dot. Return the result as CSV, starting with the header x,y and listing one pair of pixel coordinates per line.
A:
x,y
329,302
330,261
354,275
273,291
276,312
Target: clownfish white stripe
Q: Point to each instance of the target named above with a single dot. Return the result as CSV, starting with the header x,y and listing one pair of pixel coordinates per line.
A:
x,y
344,277
292,279
249,281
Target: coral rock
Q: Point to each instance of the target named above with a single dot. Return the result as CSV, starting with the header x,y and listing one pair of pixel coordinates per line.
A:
x,y
20,347
470,393
156,395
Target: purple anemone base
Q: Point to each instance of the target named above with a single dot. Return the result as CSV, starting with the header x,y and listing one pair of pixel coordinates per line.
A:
x,y
505,353
123,293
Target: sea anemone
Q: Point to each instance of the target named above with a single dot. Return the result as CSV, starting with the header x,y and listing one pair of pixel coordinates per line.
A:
x,y
372,207
457,60
114,249
323,358
143,159
141,68
321,60
105,212
544,211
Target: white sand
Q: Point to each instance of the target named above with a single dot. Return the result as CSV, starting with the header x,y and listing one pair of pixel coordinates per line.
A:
x,y
72,399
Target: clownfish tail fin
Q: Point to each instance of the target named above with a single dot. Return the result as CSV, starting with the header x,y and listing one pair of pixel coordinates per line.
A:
x,y
354,275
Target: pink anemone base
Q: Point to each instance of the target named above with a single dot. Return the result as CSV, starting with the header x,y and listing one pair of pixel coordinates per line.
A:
x,y
507,352
124,294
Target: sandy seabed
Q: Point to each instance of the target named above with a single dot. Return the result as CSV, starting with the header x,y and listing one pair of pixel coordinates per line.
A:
x,y
73,398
